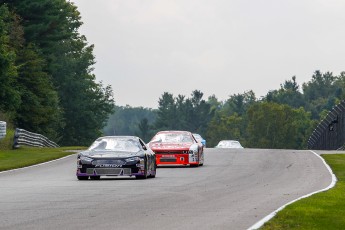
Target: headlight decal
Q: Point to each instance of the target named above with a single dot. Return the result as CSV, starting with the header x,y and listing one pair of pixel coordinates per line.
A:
x,y
85,160
135,160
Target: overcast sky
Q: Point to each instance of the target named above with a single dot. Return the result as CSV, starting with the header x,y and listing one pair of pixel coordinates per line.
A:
x,y
144,48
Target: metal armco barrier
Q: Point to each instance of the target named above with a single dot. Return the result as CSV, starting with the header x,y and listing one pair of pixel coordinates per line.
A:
x,y
2,129
23,137
330,133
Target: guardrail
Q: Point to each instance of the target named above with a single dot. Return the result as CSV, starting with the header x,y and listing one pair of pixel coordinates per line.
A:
x,y
330,133
2,129
23,137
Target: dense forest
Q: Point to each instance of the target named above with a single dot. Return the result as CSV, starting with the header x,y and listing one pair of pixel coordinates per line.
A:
x,y
46,80
284,118
47,86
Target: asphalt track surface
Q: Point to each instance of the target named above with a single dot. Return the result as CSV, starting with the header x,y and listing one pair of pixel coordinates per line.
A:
x,y
233,190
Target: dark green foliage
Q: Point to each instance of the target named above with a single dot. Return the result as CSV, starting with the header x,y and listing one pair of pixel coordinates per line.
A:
x,y
200,113
320,86
86,103
131,121
280,120
47,22
223,127
9,94
28,95
288,94
45,79
47,86
321,92
39,110
229,120
167,112
144,130
284,122
239,103
277,126
192,114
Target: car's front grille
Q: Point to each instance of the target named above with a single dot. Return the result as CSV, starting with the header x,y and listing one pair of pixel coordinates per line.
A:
x,y
167,160
115,162
110,171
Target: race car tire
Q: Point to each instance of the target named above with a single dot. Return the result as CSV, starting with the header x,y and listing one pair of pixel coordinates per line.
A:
x,y
196,165
82,177
95,177
155,170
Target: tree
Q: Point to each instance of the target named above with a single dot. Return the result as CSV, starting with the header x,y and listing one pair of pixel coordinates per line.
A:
x,y
223,127
320,93
275,126
321,86
288,94
127,120
166,113
9,93
340,84
200,113
180,113
238,103
145,130
39,111
47,22
51,26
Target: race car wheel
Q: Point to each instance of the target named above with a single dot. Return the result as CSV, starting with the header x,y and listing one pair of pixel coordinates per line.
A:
x,y
95,177
155,170
196,165
82,177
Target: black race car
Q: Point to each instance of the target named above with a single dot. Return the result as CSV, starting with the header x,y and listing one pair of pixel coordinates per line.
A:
x,y
116,156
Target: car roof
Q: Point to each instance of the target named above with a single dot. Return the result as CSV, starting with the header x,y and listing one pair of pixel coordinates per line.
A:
x,y
120,137
174,131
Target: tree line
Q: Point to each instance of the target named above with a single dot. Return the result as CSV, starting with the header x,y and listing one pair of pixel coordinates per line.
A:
x,y
46,80
47,86
283,118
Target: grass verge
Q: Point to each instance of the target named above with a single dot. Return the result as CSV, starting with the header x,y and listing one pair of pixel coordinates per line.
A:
x,y
26,156
7,142
325,210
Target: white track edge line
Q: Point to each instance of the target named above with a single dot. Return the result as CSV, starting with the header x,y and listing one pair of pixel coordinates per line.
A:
x,y
261,222
32,166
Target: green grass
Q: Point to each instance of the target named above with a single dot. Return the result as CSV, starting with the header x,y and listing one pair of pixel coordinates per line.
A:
x,y
325,210
7,142
26,156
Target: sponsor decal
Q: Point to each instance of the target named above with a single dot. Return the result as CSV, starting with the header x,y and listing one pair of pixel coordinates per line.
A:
x,y
108,166
169,156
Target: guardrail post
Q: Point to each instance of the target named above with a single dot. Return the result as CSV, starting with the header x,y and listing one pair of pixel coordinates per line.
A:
x,y
2,129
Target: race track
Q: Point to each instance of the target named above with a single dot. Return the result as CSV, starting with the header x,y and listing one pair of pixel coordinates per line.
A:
x,y
233,190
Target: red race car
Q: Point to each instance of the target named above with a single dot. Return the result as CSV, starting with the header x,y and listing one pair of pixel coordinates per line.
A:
x,y
177,148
